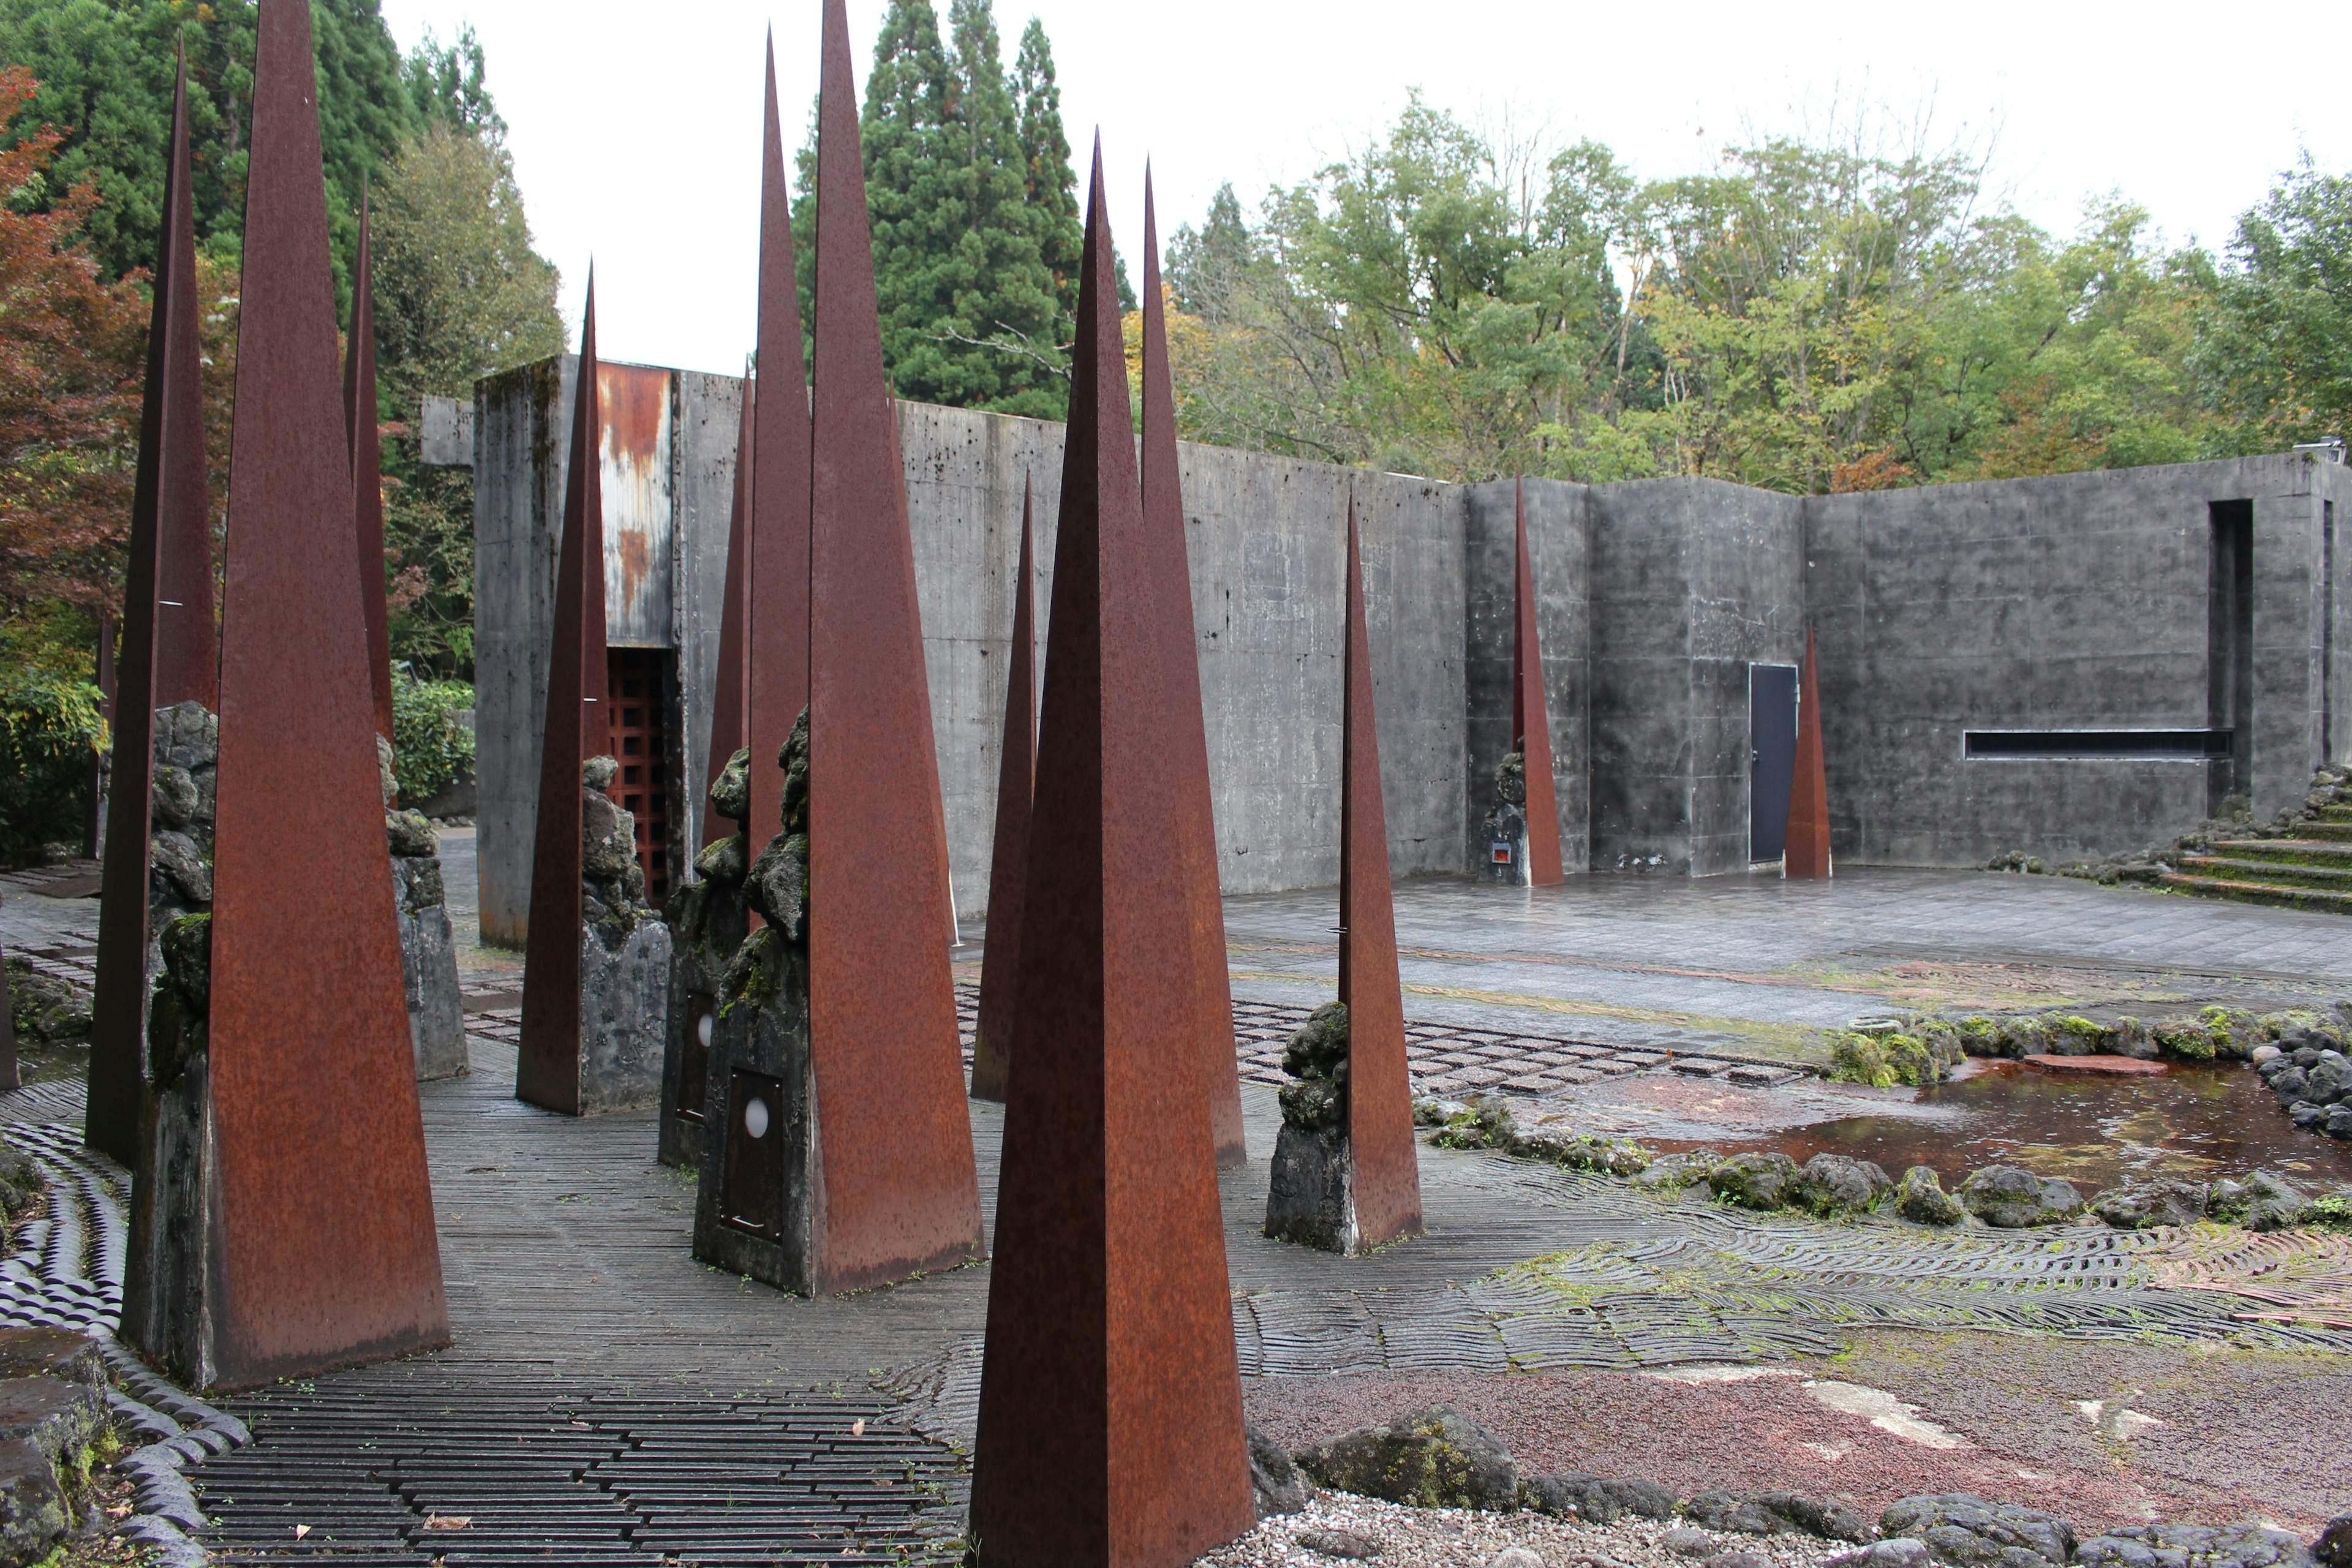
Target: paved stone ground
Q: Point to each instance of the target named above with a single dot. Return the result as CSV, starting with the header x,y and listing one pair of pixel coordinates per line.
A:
x,y
587,1338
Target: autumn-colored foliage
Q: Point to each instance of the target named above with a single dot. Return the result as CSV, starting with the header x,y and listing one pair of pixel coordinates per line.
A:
x,y
70,350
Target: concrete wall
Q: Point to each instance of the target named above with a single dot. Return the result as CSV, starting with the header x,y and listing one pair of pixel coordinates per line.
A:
x,y
2075,601
2078,601
1692,580
1558,535
1266,537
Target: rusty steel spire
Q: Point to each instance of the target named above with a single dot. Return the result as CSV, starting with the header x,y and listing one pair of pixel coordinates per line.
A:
x,y
777,649
732,688
900,1192
577,727
1110,1423
367,473
1208,1015
1008,873
323,1212
1387,1188
1807,851
170,649
1530,723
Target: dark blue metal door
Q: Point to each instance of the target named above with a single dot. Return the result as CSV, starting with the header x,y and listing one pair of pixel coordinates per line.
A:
x,y
1771,756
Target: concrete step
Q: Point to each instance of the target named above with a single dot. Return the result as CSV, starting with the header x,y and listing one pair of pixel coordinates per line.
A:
x,y
2336,813
2256,893
2269,873
2330,831
2286,851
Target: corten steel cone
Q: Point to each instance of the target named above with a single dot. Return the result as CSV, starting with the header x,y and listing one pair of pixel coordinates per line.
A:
x,y
1008,874
1110,1422
899,1191
1530,721
1379,1096
171,651
1807,854
367,474
1207,1019
324,1246
777,644
548,1071
732,688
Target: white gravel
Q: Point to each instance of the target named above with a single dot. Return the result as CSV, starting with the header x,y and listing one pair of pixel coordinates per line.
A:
x,y
1457,1538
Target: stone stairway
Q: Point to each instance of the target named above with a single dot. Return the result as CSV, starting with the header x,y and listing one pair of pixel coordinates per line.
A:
x,y
2307,867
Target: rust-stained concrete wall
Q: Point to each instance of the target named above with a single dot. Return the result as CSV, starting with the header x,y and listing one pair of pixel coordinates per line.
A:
x,y
2077,600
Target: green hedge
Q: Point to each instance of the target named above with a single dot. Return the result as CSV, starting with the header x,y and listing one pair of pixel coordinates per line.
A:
x,y
431,749
51,733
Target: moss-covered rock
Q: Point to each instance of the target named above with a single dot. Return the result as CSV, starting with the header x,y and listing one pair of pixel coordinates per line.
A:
x,y
1319,1045
731,791
794,757
2071,1035
1920,1197
1834,1185
1673,1172
1582,1151
2186,1037
1433,1457
724,860
1884,1060
1484,1123
1757,1180
2011,1198
2144,1205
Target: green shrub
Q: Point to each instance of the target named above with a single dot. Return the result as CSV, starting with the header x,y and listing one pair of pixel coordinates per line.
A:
x,y
431,750
50,733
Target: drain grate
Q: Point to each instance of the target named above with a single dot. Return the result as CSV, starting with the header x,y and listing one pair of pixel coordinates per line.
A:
x,y
443,1473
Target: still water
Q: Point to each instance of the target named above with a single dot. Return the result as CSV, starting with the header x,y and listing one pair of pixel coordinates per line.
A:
x,y
2196,1123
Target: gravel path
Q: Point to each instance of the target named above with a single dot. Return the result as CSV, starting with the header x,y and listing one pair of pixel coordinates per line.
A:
x,y
1451,1538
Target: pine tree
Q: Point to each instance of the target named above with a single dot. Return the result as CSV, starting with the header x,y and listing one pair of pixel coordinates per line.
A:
x,y
1205,265
911,194
1050,183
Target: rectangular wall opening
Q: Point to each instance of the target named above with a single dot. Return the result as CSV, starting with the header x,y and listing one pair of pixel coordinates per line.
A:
x,y
2229,648
1772,757
2327,727
2096,745
638,681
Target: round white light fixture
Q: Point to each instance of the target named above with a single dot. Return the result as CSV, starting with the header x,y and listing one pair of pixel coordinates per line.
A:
x,y
755,1116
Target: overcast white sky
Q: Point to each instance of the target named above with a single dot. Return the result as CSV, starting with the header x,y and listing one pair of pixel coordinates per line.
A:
x,y
636,131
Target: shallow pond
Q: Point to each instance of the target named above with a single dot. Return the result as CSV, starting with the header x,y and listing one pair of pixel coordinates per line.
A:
x,y
2190,1121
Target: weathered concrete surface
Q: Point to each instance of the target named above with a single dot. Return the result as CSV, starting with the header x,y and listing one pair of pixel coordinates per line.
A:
x,y
1692,580
2078,601
624,1017
428,967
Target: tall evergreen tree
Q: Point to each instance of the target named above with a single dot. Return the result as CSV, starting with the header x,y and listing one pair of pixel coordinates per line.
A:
x,y
1050,186
105,69
911,195
1000,330
1205,265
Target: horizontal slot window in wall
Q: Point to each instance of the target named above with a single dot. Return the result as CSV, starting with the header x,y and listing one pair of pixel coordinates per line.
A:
x,y
2096,745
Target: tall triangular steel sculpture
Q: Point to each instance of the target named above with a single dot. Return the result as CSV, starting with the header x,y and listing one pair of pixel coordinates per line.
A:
x,y
899,1190
171,650
547,1072
1017,775
732,688
777,649
1206,1020
1530,720
322,1248
1110,1423
1806,854
1387,1172
366,444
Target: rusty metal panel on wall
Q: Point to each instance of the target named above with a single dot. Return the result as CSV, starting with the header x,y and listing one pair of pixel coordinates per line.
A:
x,y
639,407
